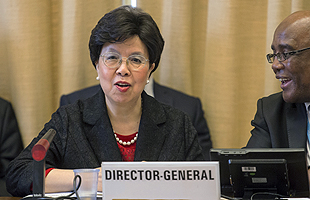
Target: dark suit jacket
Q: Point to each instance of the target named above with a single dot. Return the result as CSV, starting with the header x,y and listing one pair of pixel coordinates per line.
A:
x,y
188,104
278,124
85,138
10,140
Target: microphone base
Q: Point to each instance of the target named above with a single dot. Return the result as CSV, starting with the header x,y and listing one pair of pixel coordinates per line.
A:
x,y
37,198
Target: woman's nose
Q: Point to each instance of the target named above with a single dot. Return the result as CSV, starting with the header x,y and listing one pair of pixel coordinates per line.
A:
x,y
123,69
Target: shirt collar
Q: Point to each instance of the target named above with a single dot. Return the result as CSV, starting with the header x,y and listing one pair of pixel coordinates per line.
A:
x,y
307,105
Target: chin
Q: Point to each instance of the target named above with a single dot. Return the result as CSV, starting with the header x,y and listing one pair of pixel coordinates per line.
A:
x,y
288,97
293,98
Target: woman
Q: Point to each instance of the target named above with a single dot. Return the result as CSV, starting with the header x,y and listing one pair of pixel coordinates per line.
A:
x,y
121,122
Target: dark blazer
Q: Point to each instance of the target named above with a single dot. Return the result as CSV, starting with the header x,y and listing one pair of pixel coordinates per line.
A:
x,y
278,124
186,103
10,140
85,138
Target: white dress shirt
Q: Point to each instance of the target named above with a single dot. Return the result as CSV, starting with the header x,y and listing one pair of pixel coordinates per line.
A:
x,y
308,133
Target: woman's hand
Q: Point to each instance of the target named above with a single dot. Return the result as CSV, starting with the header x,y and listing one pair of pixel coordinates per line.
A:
x,y
99,188
59,180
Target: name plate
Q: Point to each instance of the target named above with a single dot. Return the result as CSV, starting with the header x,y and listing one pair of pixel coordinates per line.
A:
x,y
160,180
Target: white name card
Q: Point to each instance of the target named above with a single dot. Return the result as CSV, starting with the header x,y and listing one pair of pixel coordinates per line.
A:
x,y
160,180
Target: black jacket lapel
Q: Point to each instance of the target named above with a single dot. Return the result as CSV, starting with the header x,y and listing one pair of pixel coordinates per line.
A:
x,y
150,137
100,134
296,125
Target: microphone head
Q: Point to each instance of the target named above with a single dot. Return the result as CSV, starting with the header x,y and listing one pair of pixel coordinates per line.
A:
x,y
39,150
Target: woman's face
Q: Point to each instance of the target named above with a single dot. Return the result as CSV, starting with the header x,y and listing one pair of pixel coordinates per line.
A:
x,y
123,84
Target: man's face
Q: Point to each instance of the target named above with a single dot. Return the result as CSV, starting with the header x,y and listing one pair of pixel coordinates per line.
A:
x,y
294,73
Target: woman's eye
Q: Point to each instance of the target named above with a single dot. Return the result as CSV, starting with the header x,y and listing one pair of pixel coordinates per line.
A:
x,y
136,60
112,58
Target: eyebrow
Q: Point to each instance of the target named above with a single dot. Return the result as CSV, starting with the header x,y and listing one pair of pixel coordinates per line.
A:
x,y
137,53
133,53
112,50
283,46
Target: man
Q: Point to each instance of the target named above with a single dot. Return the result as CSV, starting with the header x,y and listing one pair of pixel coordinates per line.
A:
x,y
11,143
281,119
188,104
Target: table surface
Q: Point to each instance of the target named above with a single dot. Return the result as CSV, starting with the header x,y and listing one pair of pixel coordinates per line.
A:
x,y
10,198
18,198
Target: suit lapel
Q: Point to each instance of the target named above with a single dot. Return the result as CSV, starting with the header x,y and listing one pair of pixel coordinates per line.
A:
x,y
100,134
296,121
103,140
151,138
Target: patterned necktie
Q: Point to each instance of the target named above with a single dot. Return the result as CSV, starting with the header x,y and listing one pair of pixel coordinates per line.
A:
x,y
308,125
308,135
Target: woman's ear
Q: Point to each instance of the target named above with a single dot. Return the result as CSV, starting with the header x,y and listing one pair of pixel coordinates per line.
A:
x,y
97,69
151,69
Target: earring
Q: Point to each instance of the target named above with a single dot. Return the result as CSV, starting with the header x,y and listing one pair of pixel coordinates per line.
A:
x,y
97,78
147,82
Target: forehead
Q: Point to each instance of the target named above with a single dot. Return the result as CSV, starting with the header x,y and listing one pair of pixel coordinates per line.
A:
x,y
129,46
285,39
291,35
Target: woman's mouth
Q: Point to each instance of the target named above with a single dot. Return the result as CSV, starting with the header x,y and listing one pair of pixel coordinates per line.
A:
x,y
122,86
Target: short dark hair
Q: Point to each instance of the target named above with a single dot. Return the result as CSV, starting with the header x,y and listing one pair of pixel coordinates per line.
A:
x,y
122,23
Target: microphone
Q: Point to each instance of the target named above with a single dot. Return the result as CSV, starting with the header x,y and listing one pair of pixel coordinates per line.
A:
x,y
40,148
38,152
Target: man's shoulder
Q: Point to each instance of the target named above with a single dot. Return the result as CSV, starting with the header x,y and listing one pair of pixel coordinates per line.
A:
x,y
85,91
273,97
189,104
4,102
275,102
5,106
80,94
174,93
